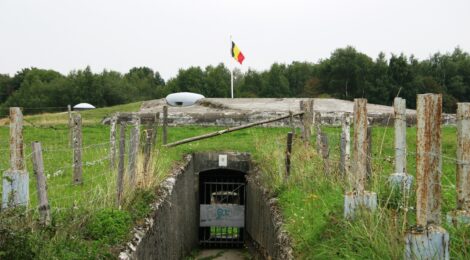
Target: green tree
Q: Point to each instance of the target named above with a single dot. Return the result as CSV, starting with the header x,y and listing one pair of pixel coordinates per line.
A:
x,y
217,81
277,83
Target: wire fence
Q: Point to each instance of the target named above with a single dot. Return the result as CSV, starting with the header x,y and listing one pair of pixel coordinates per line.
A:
x,y
99,187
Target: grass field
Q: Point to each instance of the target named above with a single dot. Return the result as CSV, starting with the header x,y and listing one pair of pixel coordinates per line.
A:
x,y
86,223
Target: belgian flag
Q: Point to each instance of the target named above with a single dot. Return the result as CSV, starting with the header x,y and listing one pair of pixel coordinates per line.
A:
x,y
236,53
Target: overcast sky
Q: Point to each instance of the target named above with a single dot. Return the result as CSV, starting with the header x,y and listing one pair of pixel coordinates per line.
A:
x,y
167,35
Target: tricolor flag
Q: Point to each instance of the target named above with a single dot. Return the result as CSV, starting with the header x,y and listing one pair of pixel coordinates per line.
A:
x,y
236,53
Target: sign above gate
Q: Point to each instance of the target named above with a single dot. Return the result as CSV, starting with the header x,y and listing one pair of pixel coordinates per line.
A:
x,y
222,215
223,160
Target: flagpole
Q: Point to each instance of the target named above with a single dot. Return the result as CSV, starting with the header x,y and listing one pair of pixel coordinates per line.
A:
x,y
231,69
231,80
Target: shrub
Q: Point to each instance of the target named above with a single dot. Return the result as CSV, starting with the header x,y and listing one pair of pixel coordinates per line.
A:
x,y
109,226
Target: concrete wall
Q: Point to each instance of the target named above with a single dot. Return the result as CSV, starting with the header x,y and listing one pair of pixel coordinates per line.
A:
x,y
171,231
264,223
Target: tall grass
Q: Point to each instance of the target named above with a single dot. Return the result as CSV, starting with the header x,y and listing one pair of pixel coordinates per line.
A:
x,y
312,202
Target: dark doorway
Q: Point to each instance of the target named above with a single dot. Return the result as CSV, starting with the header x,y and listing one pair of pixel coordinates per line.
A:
x,y
222,208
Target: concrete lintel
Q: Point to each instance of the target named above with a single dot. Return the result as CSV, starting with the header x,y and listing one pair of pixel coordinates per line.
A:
x,y
355,201
15,188
430,243
401,180
458,217
210,160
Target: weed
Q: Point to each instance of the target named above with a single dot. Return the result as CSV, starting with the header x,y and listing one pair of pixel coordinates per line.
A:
x,y
109,226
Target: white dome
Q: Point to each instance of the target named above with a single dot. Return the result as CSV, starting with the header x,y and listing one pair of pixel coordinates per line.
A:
x,y
84,106
183,99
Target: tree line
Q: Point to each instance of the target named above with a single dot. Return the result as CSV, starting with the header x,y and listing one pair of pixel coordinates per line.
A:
x,y
346,74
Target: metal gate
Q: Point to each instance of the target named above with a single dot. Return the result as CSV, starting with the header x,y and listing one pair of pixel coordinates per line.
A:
x,y
222,208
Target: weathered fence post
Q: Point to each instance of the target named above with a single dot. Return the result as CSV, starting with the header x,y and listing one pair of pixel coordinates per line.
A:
x,y
462,213
369,153
77,149
302,119
288,153
359,197
16,179
345,145
69,113
38,168
154,134
165,125
307,120
428,240
134,150
311,114
400,179
112,141
120,175
325,152
291,122
148,133
318,132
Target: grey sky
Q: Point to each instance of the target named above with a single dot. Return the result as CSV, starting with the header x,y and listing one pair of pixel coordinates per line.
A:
x,y
167,35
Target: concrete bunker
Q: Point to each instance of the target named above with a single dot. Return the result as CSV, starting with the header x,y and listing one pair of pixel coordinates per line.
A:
x,y
212,201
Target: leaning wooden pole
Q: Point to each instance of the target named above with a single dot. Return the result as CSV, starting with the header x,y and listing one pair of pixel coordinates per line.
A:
x,y
228,130
38,168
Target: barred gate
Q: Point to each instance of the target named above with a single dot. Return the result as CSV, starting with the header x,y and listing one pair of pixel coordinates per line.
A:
x,y
222,208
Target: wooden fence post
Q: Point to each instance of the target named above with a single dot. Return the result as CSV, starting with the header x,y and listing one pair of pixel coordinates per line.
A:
x,y
120,175
291,122
462,213
359,197
134,150
318,132
155,131
307,120
369,153
77,149
325,152
302,119
400,180
148,133
112,141
38,168
165,125
15,189
69,113
428,240
288,153
345,162
311,114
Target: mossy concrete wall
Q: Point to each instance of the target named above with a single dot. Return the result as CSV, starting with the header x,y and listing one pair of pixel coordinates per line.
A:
x,y
171,231
264,223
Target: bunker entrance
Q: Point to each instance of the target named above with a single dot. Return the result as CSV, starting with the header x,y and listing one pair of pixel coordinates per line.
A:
x,y
222,198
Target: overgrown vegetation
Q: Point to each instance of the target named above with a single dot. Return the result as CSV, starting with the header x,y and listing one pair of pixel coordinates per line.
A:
x,y
88,225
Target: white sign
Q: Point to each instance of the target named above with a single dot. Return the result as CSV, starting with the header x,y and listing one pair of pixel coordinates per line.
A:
x,y
223,160
222,215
